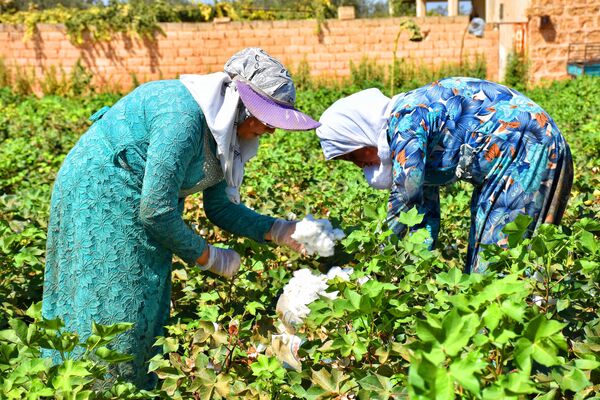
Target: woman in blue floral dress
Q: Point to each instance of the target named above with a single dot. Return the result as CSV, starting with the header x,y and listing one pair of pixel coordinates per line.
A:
x,y
466,129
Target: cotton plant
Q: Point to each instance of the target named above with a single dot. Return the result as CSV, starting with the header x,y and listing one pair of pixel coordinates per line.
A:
x,y
300,291
317,235
292,307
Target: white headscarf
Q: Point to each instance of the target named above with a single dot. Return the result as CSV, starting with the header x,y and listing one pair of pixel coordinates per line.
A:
x,y
219,101
357,121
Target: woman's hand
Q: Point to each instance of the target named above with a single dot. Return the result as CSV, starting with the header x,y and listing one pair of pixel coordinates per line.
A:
x,y
281,234
223,262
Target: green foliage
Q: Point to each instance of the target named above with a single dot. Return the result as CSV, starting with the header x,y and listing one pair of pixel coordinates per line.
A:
x,y
77,83
24,79
25,374
407,74
402,8
368,73
141,18
517,68
5,74
418,327
301,77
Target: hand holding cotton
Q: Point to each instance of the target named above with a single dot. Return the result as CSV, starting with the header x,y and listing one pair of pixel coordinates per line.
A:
x,y
317,236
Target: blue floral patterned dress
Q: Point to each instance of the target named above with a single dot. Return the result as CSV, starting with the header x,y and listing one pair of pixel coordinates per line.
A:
x,y
507,146
116,218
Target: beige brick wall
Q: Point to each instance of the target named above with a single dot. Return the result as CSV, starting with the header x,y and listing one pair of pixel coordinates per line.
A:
x,y
572,21
204,47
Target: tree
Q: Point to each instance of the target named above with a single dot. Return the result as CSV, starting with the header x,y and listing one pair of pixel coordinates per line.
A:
x,y
402,7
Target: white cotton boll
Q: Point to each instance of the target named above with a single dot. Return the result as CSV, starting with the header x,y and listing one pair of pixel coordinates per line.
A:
x,y
331,295
285,347
301,290
541,301
338,234
317,236
363,280
342,273
538,277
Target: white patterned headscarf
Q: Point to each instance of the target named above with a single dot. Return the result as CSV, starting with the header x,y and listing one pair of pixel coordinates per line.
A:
x,y
220,103
357,121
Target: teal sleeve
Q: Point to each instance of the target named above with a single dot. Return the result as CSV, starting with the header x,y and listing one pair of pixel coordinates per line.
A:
x,y
174,140
235,218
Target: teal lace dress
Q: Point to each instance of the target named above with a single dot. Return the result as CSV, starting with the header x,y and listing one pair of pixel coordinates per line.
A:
x,y
116,218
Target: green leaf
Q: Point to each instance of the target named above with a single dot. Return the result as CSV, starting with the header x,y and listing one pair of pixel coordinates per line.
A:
x,y
381,387
589,242
426,332
353,298
70,375
207,384
35,311
492,316
110,331
562,304
520,383
411,217
112,356
522,353
444,387
20,329
465,372
574,379
457,331
370,212
51,324
514,310
373,288
267,367
453,278
516,229
540,327
436,355
545,353
587,364
252,306
331,382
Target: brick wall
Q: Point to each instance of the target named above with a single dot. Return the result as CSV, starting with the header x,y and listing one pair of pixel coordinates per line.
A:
x,y
204,47
571,21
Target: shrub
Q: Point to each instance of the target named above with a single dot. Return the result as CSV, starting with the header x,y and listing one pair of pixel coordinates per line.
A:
x,y
517,68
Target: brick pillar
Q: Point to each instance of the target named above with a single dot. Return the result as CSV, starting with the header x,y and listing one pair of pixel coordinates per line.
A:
x,y
489,10
452,8
421,8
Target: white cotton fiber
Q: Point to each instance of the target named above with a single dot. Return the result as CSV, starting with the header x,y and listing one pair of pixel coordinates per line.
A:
x,y
342,273
317,236
303,289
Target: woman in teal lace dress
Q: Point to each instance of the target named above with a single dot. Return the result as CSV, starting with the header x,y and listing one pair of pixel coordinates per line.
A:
x,y
116,209
465,129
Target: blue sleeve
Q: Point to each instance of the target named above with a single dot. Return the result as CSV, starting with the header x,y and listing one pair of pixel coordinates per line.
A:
x,y
235,218
408,144
174,140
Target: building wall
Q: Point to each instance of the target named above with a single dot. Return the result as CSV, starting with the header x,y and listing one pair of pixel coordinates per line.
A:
x,y
571,21
204,47
509,17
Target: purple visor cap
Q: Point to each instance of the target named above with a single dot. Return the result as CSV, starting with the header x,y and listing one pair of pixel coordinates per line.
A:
x,y
276,114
